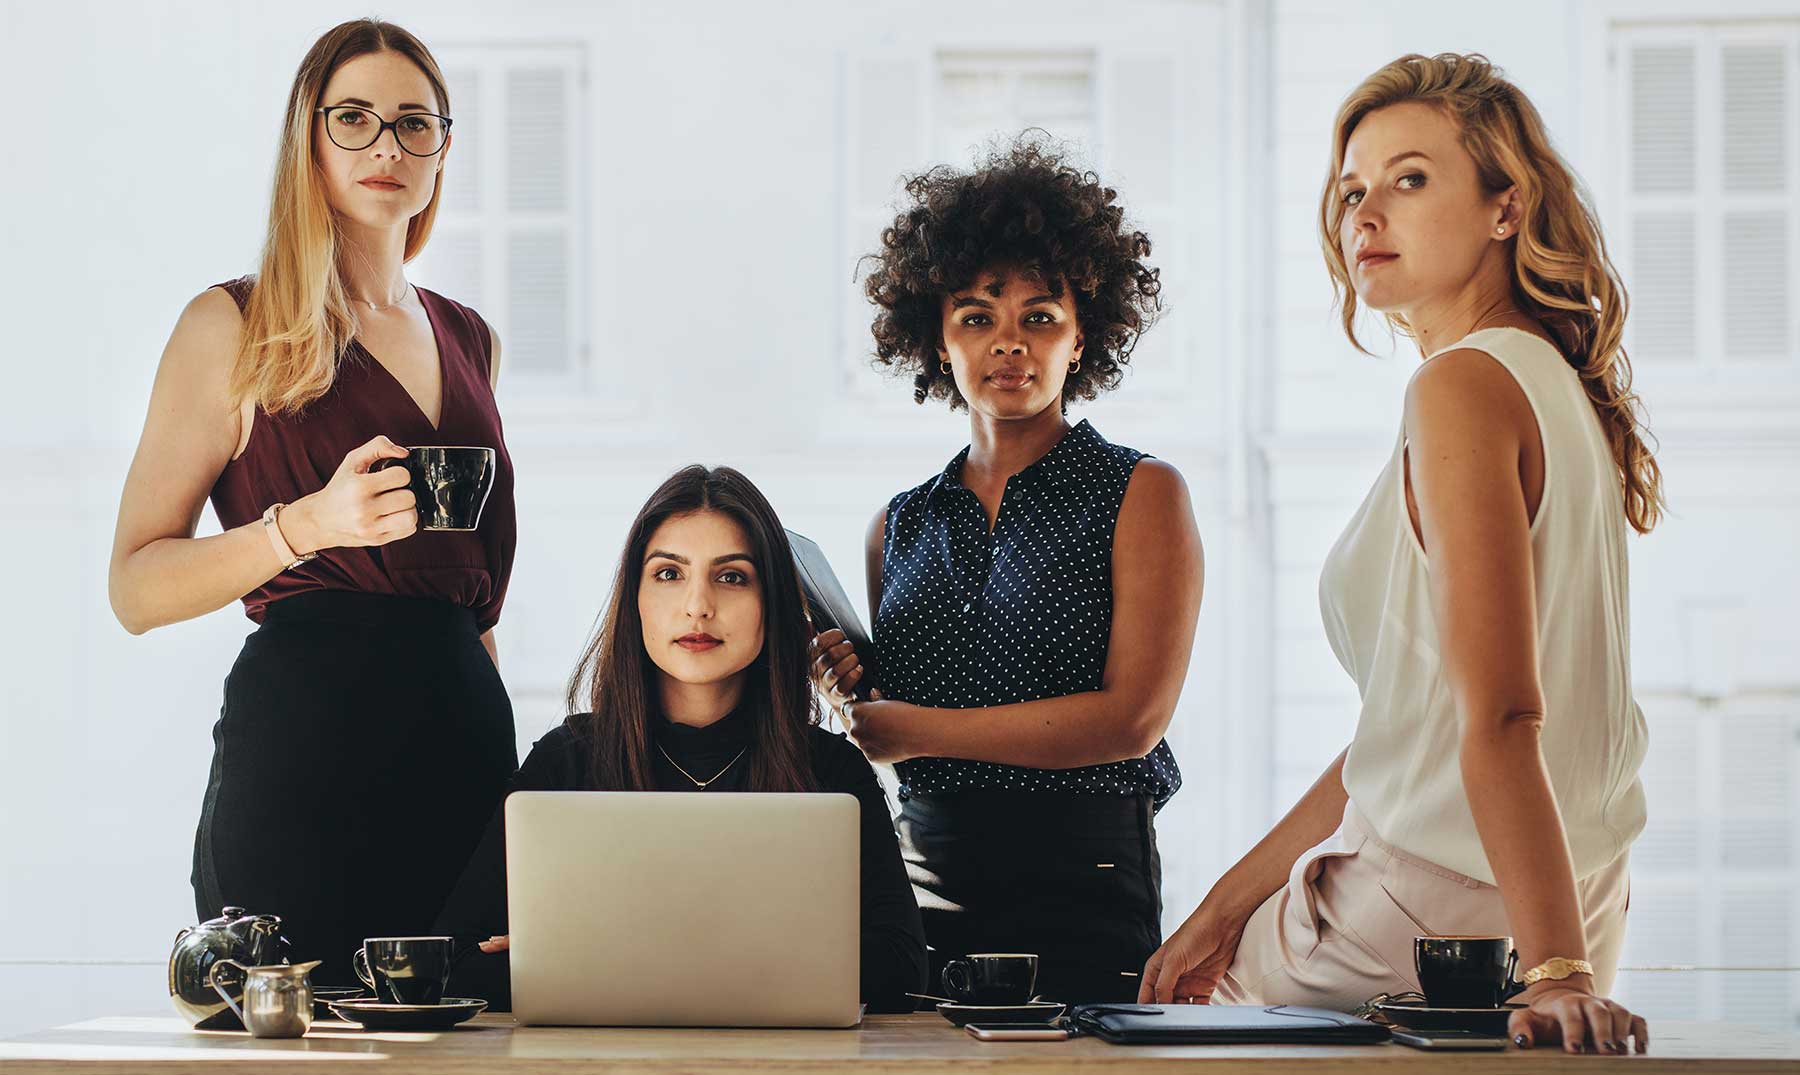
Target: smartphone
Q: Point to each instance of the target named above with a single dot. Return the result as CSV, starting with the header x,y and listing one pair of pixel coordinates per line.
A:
x,y
1016,1032
1447,1039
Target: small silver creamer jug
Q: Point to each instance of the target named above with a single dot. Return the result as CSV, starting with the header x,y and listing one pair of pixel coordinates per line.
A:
x,y
278,999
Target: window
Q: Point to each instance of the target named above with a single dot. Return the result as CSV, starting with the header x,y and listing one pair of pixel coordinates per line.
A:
x,y
1711,191
1715,871
509,233
984,94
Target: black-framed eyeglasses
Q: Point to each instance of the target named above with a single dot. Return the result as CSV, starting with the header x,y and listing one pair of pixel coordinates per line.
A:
x,y
421,134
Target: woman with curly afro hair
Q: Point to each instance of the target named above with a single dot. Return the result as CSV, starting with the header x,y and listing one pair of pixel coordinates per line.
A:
x,y
1034,602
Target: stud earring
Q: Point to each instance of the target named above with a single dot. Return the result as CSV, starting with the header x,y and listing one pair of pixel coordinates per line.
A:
x,y
1501,230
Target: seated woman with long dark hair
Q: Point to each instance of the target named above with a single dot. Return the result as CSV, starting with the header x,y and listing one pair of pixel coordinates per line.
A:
x,y
697,680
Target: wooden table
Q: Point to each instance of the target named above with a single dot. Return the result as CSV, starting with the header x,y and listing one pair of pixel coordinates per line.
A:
x,y
893,1043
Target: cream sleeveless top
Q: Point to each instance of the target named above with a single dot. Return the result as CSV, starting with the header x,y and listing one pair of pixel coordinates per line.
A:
x,y
1403,770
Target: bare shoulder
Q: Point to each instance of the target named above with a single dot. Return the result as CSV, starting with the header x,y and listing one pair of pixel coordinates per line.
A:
x,y
207,333
1157,514
876,535
1466,391
1156,487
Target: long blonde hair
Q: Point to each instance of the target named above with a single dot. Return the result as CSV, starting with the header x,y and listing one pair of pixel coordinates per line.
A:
x,y
1561,275
298,319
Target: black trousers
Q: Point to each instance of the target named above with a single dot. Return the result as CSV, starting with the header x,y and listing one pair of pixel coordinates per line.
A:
x,y
364,742
1074,878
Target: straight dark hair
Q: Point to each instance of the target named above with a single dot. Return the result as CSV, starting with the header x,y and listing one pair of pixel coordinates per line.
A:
x,y
615,680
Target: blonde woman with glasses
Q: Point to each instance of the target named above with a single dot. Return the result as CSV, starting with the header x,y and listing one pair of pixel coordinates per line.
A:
x,y
1478,597
365,736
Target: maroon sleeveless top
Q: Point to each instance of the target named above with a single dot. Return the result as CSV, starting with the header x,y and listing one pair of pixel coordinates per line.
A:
x,y
292,455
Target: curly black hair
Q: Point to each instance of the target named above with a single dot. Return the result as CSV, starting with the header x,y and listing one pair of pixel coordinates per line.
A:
x,y
1026,208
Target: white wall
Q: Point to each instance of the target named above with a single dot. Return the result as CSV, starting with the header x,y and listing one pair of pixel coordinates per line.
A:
x,y
714,277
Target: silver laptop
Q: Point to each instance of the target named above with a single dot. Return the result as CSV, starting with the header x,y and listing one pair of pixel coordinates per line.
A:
x,y
682,909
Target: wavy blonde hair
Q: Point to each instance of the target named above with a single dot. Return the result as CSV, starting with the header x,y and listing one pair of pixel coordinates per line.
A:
x,y
1561,275
299,319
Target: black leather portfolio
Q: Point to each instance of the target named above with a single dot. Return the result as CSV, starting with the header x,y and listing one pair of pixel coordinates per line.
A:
x,y
829,606
1198,1024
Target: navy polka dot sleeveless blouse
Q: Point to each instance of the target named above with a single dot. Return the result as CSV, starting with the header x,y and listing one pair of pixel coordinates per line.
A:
x,y
970,619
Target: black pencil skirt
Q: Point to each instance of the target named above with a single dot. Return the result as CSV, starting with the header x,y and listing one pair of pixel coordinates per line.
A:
x,y
364,742
1075,879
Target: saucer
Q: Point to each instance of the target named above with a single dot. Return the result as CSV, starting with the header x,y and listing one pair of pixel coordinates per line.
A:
x,y
1476,1020
324,996
1037,1011
374,1015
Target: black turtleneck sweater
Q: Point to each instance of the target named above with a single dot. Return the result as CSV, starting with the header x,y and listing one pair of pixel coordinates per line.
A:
x,y
893,940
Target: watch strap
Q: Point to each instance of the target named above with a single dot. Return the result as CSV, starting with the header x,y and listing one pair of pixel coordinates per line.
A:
x,y
283,551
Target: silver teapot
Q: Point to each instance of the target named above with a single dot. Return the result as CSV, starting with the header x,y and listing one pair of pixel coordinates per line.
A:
x,y
277,999
246,939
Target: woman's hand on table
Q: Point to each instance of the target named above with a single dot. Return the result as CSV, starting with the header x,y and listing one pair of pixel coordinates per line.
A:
x,y
1569,1012
1188,966
496,944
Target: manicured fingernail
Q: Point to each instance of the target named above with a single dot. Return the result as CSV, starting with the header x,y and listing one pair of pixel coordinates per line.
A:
x,y
1519,1040
1618,1046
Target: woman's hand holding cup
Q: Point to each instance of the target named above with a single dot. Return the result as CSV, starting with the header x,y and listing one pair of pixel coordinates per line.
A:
x,y
358,506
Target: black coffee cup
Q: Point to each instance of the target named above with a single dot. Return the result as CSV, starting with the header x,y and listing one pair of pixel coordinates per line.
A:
x,y
991,978
1466,972
451,484
406,970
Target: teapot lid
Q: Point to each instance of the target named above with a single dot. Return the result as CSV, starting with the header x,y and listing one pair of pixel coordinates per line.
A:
x,y
233,915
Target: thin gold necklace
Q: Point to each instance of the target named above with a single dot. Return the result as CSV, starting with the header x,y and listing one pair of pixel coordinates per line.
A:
x,y
690,776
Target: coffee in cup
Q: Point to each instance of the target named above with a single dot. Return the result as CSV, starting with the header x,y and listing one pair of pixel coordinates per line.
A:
x,y
450,483
405,970
1466,972
991,979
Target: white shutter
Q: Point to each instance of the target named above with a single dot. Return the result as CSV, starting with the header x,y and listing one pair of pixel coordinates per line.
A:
x,y
538,101
1754,84
1664,240
1755,234
1670,843
1756,762
537,301
462,169
1664,310
1663,132
1758,931
1758,269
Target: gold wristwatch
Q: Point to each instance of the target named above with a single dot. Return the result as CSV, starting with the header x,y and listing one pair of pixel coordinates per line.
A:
x,y
1556,968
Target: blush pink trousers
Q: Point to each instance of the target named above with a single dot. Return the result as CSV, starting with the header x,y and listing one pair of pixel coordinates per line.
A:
x,y
1342,929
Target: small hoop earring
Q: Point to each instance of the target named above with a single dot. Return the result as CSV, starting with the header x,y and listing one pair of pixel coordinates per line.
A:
x,y
1075,366
944,368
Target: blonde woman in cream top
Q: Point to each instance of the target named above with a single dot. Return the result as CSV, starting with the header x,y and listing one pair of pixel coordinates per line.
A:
x,y
1478,597
1375,594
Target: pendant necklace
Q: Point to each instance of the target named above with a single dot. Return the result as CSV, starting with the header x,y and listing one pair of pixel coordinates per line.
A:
x,y
690,776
